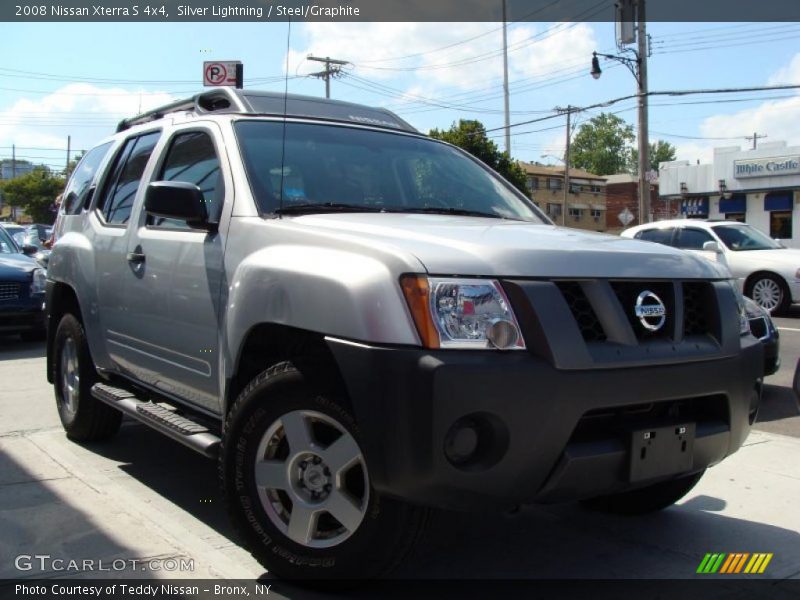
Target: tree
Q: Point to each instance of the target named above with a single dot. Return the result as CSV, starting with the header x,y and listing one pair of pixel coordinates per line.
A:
x,y
35,193
602,145
470,135
660,151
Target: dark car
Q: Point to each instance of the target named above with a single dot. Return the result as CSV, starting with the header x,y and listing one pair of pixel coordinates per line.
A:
x,y
22,282
762,327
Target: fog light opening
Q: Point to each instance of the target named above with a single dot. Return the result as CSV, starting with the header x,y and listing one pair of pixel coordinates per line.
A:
x,y
502,334
476,442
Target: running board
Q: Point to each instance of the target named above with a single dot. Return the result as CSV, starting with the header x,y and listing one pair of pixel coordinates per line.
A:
x,y
179,428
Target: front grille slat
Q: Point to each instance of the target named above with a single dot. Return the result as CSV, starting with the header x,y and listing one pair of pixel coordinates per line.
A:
x,y
581,308
10,290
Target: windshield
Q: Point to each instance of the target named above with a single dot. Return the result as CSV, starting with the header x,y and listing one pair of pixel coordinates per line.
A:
x,y
328,168
7,245
744,237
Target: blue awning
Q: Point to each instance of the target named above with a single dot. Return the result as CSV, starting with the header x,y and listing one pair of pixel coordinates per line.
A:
x,y
695,207
778,201
735,204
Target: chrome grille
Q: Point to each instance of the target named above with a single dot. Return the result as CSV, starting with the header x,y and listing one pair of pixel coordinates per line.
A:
x,y
9,291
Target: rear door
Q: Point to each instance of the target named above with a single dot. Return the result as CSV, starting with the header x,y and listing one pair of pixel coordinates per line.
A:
x,y
693,238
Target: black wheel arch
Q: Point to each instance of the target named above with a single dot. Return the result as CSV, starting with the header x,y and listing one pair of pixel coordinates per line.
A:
x,y
60,299
267,344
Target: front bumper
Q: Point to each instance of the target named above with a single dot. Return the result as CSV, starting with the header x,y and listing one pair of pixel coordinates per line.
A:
x,y
548,434
27,314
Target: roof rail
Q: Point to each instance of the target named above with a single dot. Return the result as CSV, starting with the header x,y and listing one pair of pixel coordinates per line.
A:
x,y
219,100
253,102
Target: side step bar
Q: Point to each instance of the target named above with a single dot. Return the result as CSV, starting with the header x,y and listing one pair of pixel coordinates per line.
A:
x,y
179,428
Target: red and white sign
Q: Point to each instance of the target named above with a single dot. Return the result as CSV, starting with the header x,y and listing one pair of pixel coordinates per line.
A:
x,y
219,73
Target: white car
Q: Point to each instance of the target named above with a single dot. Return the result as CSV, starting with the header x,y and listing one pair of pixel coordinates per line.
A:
x,y
766,271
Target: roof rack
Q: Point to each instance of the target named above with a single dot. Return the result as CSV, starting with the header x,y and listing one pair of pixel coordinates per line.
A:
x,y
228,100
220,100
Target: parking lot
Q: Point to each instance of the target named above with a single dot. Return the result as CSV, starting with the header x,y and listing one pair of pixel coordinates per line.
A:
x,y
123,501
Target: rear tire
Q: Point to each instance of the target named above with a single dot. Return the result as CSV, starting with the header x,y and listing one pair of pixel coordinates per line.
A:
x,y
770,292
309,511
85,419
647,499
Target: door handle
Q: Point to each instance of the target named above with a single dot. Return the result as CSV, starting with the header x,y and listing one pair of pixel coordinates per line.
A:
x,y
135,257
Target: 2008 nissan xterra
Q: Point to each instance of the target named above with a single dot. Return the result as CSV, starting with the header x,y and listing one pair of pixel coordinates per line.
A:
x,y
360,323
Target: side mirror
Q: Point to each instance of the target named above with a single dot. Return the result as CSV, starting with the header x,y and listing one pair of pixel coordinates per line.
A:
x,y
177,200
712,247
29,249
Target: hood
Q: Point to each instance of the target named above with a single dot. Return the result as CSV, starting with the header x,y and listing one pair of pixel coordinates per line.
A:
x,y
455,245
16,267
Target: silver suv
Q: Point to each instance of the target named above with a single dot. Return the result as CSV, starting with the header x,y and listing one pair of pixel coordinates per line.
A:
x,y
360,323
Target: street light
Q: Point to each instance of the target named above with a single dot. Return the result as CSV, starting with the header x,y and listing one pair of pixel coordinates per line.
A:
x,y
638,68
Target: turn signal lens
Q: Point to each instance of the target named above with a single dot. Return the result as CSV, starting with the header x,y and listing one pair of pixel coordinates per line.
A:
x,y
417,293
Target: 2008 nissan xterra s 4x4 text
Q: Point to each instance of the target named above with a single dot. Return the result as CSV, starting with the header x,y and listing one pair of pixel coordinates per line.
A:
x,y
361,323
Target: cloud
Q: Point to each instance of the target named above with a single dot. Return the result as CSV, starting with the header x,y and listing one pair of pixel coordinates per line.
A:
x,y
85,112
433,56
778,119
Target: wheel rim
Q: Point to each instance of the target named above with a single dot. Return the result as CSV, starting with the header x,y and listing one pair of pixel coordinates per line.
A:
x,y
70,376
312,479
767,293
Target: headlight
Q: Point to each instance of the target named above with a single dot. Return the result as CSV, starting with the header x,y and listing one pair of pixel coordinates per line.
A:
x,y
462,313
744,319
37,284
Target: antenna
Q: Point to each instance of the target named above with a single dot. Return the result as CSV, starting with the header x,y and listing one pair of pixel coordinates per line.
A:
x,y
285,112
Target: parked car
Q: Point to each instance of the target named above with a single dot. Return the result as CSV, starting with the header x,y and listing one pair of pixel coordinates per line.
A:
x,y
13,228
766,271
360,322
30,239
762,327
22,287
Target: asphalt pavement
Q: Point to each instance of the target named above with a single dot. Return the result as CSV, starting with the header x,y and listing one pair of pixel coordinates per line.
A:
x,y
154,505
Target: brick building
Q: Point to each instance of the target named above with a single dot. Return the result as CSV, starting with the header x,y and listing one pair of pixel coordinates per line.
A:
x,y
586,204
622,192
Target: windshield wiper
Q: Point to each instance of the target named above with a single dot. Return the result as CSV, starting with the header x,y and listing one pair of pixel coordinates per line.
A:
x,y
297,209
446,210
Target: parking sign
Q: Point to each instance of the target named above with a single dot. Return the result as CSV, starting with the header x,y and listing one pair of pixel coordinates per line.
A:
x,y
220,73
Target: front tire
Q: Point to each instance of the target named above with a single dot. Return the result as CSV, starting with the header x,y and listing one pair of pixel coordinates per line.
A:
x,y
297,485
652,498
85,419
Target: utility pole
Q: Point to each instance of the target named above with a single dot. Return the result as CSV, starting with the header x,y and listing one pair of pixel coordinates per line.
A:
x,y
505,82
568,111
644,138
755,137
332,68
13,161
66,168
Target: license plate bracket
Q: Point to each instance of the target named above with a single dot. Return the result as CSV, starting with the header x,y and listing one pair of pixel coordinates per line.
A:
x,y
661,451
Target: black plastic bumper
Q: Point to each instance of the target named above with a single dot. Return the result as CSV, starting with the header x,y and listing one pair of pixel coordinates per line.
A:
x,y
539,434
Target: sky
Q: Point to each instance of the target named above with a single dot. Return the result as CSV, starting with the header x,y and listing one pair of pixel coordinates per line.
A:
x,y
80,79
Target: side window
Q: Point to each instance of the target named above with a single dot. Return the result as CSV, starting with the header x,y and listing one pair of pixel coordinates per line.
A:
x,y
660,236
693,239
192,159
77,191
125,177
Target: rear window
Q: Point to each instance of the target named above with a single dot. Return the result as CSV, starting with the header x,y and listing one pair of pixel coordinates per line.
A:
x,y
660,236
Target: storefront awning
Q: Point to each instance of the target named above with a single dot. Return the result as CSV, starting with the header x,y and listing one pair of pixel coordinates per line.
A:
x,y
695,207
778,201
735,204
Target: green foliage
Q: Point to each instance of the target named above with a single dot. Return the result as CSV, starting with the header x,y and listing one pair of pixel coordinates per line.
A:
x,y
470,135
660,151
35,193
602,145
